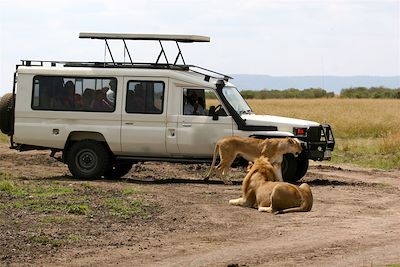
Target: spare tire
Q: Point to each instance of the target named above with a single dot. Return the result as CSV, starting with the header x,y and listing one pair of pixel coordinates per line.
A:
x,y
6,114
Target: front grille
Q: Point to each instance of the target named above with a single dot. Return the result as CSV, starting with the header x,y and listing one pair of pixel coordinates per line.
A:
x,y
315,134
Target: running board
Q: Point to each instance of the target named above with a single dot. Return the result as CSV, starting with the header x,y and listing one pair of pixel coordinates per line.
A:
x,y
172,160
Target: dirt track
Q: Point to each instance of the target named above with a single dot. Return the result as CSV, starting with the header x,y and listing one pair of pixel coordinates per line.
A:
x,y
355,221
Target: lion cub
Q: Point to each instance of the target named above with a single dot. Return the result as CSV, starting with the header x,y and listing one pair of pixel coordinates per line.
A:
x,y
260,190
250,148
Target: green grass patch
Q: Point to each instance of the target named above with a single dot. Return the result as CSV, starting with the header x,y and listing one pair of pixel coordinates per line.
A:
x,y
56,201
131,191
10,188
80,209
51,191
87,186
128,208
46,241
39,205
72,238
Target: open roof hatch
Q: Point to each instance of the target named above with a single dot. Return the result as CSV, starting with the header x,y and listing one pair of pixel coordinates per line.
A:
x,y
146,37
177,38
131,64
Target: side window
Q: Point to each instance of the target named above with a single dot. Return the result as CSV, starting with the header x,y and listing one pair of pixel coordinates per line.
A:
x,y
146,97
201,102
74,94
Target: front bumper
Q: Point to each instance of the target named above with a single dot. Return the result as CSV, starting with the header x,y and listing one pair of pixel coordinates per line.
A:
x,y
319,142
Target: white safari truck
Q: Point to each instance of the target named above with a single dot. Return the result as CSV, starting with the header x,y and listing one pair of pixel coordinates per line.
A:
x,y
106,116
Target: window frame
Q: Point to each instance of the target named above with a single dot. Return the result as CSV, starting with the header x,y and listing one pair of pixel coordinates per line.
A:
x,y
73,77
145,81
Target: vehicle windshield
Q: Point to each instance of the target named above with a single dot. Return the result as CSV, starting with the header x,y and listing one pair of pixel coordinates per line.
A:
x,y
236,100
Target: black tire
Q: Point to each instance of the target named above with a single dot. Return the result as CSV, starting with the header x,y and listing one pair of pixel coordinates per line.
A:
x,y
6,114
293,169
118,170
88,159
302,166
289,168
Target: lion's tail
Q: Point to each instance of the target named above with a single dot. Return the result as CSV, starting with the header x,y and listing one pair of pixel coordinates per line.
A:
x,y
216,148
306,203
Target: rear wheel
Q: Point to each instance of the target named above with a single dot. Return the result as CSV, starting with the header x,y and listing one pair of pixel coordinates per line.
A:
x,y
88,160
119,169
6,113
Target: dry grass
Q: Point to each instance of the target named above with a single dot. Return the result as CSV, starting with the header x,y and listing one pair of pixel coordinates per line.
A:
x,y
366,130
350,118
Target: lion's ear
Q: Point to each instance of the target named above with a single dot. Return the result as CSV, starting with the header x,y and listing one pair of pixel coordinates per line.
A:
x,y
290,140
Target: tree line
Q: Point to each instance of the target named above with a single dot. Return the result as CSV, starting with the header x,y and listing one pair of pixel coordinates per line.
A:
x,y
353,92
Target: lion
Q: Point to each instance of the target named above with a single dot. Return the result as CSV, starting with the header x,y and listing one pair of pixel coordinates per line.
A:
x,y
260,190
251,148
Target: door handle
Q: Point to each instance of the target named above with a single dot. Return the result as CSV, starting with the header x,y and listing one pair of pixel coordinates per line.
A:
x,y
186,124
128,123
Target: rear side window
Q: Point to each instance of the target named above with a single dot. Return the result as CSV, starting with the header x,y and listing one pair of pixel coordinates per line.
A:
x,y
145,97
74,93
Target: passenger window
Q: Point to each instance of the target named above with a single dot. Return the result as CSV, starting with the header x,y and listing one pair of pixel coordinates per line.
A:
x,y
145,97
74,94
201,102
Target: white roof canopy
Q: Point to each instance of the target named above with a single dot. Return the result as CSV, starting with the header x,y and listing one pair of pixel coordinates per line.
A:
x,y
155,37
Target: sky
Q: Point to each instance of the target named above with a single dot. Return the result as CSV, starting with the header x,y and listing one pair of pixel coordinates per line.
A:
x,y
279,38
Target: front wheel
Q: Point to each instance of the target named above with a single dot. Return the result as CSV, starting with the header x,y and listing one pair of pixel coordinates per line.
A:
x,y
302,166
88,159
293,169
289,167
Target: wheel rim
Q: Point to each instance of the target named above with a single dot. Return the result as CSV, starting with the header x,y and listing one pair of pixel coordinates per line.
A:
x,y
86,160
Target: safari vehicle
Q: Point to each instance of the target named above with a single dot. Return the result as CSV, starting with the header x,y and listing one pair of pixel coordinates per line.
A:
x,y
106,116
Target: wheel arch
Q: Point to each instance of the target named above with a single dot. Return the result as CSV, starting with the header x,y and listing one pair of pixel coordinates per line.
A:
x,y
77,136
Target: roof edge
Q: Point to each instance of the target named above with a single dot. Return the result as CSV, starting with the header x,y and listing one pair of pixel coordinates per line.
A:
x,y
148,37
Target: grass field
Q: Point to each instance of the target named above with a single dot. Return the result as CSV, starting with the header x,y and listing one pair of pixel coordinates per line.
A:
x,y
367,131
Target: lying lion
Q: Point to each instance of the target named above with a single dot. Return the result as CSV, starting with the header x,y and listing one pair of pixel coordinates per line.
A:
x,y
251,148
259,190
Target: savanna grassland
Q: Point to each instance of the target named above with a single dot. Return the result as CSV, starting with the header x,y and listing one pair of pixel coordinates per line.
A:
x,y
367,131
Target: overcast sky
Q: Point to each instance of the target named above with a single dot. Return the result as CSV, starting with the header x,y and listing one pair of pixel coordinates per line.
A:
x,y
281,38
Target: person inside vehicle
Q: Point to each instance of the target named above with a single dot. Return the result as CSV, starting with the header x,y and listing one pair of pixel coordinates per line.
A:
x,y
68,99
111,91
192,107
136,99
101,103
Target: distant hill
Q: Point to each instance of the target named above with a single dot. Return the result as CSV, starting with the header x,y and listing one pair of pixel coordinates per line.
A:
x,y
329,83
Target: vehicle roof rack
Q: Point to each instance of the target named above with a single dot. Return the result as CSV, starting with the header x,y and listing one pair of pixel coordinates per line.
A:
x,y
131,64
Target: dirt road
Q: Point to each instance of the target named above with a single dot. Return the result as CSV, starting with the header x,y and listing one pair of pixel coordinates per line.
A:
x,y
355,221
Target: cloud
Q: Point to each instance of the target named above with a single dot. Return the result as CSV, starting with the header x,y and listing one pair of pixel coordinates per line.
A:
x,y
257,36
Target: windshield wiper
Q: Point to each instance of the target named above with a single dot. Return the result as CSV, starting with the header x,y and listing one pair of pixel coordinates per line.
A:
x,y
249,111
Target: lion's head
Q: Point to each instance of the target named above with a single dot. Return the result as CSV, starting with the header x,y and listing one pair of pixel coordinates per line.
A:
x,y
293,146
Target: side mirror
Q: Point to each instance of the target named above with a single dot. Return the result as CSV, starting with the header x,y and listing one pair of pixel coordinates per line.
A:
x,y
212,113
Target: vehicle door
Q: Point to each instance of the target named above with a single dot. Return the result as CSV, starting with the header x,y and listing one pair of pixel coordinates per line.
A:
x,y
144,116
198,130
